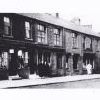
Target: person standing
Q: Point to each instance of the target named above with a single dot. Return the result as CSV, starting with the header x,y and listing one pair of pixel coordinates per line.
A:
x,y
40,69
89,68
47,70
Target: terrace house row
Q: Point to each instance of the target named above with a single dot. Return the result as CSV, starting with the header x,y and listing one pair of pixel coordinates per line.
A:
x,y
43,37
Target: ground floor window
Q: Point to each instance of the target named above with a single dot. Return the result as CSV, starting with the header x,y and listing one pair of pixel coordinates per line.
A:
x,y
24,55
4,59
43,57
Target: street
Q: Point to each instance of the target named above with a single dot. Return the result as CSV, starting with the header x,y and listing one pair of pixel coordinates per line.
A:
x,y
93,83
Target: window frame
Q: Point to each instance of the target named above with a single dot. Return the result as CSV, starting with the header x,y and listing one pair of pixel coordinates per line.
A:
x,y
75,40
57,35
41,36
29,30
7,26
4,59
86,45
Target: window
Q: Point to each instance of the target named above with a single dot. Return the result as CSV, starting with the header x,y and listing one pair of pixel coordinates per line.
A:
x,y
41,33
75,40
28,30
88,43
43,56
4,59
56,36
84,42
26,57
98,45
7,26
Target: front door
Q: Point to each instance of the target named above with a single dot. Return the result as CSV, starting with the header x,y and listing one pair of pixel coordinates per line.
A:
x,y
13,65
75,60
59,61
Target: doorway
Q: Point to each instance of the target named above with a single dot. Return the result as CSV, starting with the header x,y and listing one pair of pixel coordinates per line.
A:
x,y
75,60
13,65
88,58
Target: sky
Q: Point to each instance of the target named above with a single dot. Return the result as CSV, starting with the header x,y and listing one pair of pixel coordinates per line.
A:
x,y
87,18
87,10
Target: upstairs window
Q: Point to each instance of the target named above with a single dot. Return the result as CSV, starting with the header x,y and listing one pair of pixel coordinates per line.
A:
x,y
57,37
88,43
28,30
7,26
75,40
98,45
41,33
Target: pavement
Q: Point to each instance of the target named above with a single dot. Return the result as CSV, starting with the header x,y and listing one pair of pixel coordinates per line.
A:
x,y
15,81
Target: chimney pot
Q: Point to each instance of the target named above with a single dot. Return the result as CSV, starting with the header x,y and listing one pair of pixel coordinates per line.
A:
x,y
57,15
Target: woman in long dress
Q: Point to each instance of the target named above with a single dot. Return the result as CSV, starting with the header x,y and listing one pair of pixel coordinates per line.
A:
x,y
89,69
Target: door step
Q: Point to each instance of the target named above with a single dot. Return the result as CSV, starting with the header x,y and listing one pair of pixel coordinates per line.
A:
x,y
15,77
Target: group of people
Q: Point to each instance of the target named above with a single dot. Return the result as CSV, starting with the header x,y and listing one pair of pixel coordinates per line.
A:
x,y
43,69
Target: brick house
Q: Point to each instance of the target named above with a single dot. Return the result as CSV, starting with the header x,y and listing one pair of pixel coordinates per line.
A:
x,y
43,37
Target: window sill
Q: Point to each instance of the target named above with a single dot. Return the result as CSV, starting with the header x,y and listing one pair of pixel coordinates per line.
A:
x,y
75,47
57,45
41,43
28,39
8,36
76,70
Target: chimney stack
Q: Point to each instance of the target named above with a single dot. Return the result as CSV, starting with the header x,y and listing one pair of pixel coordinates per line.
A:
x,y
88,26
57,15
76,21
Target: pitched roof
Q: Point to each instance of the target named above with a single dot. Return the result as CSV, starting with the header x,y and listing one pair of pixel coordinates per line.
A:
x,y
60,22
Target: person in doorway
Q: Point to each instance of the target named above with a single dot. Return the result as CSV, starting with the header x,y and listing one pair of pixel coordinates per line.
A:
x,y
20,62
89,68
47,70
44,69
40,69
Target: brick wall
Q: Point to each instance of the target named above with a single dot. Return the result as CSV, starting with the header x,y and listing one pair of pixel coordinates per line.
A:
x,y
69,43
